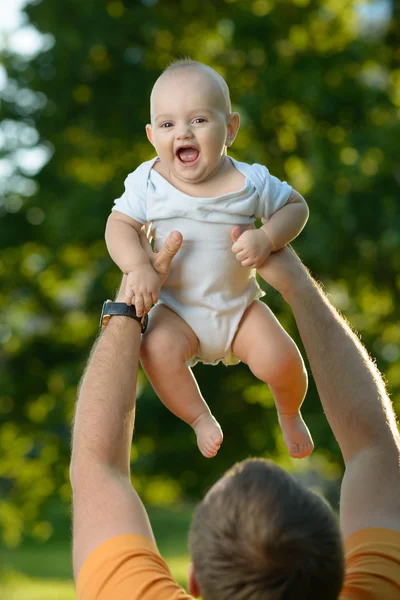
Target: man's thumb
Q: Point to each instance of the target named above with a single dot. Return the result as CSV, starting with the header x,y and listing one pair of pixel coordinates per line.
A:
x,y
169,249
236,232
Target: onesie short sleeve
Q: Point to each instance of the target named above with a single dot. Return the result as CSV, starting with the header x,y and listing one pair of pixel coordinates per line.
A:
x,y
133,201
273,193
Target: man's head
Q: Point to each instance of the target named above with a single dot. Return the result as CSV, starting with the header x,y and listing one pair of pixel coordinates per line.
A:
x,y
259,535
191,120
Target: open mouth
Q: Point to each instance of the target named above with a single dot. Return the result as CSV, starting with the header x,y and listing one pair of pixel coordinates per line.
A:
x,y
187,155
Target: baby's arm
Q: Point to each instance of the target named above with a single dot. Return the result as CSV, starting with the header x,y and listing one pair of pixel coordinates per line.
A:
x,y
286,223
143,283
255,245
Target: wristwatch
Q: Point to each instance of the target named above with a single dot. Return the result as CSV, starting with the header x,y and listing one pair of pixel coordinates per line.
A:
x,y
111,309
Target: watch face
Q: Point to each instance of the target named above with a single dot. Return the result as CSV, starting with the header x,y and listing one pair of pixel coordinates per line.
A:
x,y
104,321
104,317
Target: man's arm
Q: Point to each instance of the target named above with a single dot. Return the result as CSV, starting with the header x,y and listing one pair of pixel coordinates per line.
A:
x,y
352,394
104,502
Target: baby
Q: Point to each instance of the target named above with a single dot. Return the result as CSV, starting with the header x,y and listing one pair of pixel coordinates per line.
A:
x,y
209,309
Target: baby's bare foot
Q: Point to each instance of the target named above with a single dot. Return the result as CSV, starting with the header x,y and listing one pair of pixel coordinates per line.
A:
x,y
296,435
209,434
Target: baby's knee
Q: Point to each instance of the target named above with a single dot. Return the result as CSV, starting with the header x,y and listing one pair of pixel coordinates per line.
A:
x,y
159,346
155,344
282,368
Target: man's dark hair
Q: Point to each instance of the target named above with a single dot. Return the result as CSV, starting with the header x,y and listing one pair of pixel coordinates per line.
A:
x,y
260,535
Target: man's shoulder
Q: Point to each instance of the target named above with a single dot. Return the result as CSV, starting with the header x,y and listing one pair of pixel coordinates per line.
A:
x,y
372,565
129,563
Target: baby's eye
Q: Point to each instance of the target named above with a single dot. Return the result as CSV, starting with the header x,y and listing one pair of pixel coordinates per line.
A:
x,y
166,125
199,120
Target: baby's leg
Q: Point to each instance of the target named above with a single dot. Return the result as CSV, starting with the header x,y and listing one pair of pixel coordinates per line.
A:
x,y
273,357
167,344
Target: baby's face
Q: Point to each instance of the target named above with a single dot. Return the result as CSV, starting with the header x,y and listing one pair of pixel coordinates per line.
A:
x,y
190,124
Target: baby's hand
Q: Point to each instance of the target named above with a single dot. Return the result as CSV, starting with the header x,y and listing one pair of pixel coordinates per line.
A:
x,y
142,288
252,248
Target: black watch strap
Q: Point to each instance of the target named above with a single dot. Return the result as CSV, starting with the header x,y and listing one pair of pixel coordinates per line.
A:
x,y
111,309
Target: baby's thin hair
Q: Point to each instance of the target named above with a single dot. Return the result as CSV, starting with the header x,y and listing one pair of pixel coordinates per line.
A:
x,y
181,63
187,62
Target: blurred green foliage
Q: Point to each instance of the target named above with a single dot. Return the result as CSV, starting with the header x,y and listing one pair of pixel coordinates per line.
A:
x,y
318,90
44,571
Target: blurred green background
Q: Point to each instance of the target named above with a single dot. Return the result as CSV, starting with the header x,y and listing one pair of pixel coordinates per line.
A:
x,y
317,84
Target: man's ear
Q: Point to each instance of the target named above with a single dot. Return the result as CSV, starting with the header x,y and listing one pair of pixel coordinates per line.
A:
x,y
192,583
149,133
233,125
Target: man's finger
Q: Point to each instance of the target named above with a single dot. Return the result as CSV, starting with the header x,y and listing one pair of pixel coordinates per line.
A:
x,y
236,232
168,251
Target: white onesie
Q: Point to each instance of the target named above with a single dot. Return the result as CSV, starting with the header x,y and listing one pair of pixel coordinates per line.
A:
x,y
207,286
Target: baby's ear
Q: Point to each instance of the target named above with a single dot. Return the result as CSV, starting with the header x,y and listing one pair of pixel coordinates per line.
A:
x,y
149,133
233,127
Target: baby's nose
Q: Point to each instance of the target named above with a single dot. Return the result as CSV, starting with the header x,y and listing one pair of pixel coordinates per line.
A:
x,y
183,131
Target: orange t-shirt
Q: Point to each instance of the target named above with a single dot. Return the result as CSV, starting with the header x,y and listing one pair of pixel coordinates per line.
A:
x,y
129,567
